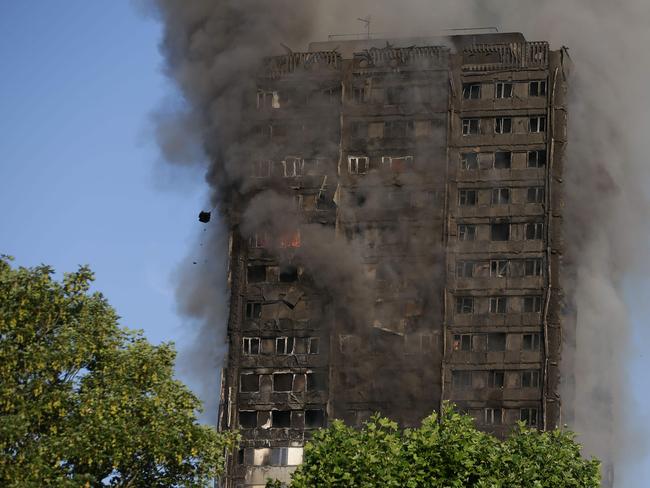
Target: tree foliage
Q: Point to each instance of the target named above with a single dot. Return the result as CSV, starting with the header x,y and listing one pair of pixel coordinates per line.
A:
x,y
445,452
84,402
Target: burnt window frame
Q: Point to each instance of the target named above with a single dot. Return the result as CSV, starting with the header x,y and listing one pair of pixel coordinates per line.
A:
x,y
537,124
534,231
287,341
466,232
241,383
262,168
532,304
500,92
534,342
529,416
502,346
496,378
539,159
536,265
253,310
462,268
499,268
471,126
278,377
505,163
498,305
493,416
465,305
280,419
461,343
471,91
247,414
497,194
506,225
247,346
311,351
538,194
539,90
467,197
319,413
355,169
469,161
503,125
530,378
461,379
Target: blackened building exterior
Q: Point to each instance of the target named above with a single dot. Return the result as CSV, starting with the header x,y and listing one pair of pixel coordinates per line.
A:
x,y
439,163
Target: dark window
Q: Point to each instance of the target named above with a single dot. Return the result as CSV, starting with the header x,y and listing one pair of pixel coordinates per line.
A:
x,y
530,379
359,94
256,274
529,416
283,382
281,419
503,89
500,231
466,232
313,345
249,382
503,125
471,91
284,345
534,231
535,195
496,379
240,456
537,124
396,129
537,159
464,305
500,196
493,416
469,161
247,420
288,274
253,310
499,268
461,379
316,381
395,95
533,267
358,130
496,342
251,346
462,342
470,127
467,197
537,88
502,159
464,269
314,419
498,304
262,169
532,304
530,342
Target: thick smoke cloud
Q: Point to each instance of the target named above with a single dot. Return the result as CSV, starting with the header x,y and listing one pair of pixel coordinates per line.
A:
x,y
213,50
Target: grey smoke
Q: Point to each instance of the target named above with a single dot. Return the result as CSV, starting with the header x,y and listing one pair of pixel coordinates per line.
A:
x,y
213,49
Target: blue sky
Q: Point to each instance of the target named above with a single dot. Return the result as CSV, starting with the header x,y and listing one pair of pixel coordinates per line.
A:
x,y
79,173
80,181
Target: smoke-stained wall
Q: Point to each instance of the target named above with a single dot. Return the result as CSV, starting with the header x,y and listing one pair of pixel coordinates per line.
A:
x,y
214,49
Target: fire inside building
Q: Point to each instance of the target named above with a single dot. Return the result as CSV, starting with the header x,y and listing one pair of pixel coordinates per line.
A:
x,y
435,167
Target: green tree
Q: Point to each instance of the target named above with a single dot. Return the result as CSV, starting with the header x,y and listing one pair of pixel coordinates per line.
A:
x,y
84,402
445,452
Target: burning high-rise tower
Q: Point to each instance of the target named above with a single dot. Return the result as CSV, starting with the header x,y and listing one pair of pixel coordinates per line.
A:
x,y
395,240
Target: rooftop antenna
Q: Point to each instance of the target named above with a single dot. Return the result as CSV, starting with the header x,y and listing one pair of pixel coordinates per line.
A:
x,y
367,22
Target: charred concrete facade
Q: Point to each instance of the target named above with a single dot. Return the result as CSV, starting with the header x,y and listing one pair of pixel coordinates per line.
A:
x,y
437,165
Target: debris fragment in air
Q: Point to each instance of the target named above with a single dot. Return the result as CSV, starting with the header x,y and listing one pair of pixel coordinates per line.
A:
x,y
204,217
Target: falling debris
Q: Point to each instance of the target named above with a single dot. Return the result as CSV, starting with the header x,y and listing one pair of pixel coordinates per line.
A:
x,y
204,217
